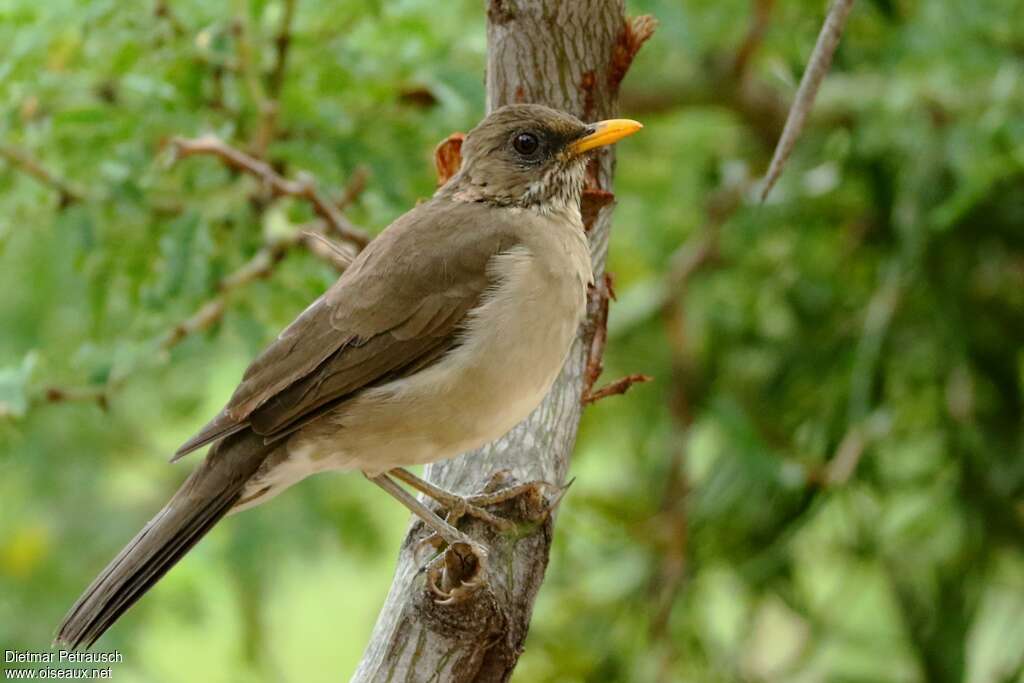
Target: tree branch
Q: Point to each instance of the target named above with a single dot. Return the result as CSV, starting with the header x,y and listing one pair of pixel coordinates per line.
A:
x,y
259,267
304,188
480,636
817,67
31,166
604,294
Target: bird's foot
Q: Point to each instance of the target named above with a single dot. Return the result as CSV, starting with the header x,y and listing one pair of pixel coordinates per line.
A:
x,y
457,573
535,505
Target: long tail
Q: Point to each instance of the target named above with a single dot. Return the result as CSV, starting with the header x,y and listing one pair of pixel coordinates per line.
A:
x,y
206,496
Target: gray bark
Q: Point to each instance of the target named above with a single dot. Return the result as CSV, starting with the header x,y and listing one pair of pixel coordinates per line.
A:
x,y
571,56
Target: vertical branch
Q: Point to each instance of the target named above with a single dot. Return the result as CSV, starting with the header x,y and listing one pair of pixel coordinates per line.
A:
x,y
282,45
270,105
571,56
671,527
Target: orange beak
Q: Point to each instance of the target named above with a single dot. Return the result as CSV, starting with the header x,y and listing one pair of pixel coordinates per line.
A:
x,y
604,133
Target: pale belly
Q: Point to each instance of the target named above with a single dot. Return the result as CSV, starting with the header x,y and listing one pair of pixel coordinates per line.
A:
x,y
514,349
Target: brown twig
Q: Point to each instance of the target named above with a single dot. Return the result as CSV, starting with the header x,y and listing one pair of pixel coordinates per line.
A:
x,y
670,529
162,10
31,166
595,358
97,395
754,36
269,103
353,188
259,267
282,44
817,67
619,386
304,188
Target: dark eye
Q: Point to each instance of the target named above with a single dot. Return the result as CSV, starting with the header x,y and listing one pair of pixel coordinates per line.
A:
x,y
525,143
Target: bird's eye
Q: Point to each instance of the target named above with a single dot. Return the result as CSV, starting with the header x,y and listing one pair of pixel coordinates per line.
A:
x,y
525,143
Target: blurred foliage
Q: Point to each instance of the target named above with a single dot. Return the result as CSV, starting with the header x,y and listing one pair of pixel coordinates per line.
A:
x,y
824,483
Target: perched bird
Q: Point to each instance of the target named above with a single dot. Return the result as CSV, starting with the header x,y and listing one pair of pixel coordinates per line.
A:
x,y
442,335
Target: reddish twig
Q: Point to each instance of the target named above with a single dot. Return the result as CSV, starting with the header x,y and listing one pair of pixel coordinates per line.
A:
x,y
97,395
282,45
619,386
280,186
595,358
754,37
817,67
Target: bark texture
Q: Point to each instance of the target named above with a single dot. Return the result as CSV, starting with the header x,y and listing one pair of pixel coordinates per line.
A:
x,y
571,56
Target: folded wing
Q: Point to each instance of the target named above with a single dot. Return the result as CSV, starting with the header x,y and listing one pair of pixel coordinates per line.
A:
x,y
397,309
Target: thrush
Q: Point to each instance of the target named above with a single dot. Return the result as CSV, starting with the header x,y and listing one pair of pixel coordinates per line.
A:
x,y
445,332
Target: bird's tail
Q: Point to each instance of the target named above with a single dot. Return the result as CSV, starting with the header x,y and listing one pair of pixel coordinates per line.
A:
x,y
207,495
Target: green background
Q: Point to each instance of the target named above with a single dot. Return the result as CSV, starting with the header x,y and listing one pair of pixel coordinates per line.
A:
x,y
824,482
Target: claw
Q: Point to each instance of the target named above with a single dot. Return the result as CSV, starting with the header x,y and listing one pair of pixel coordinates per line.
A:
x,y
457,573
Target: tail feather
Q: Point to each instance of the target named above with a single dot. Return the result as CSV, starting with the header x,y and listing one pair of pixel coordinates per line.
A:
x,y
206,496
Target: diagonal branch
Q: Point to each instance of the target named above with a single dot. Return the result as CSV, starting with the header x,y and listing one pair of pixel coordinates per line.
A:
x,y
25,162
210,312
304,188
817,67
259,267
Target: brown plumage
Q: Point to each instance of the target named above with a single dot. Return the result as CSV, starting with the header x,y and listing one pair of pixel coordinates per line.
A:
x,y
442,334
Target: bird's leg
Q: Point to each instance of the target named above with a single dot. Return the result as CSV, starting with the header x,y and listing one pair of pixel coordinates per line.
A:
x,y
458,506
443,529
453,575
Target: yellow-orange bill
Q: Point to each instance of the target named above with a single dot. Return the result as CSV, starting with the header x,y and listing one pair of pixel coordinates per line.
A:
x,y
605,133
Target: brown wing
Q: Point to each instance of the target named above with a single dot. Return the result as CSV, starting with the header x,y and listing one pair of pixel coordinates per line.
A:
x,y
396,309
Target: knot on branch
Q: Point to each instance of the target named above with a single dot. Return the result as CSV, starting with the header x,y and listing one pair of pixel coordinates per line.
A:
x,y
457,596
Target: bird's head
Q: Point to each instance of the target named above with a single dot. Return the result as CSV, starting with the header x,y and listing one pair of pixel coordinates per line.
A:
x,y
530,156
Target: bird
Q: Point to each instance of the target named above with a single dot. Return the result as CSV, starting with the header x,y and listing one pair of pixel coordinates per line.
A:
x,y
445,332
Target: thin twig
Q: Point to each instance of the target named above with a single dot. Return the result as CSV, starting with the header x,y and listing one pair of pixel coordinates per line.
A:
x,y
754,37
162,9
247,55
671,526
282,44
304,188
31,166
595,357
817,67
619,386
259,267
269,106
91,394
